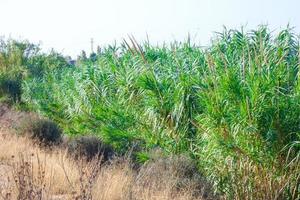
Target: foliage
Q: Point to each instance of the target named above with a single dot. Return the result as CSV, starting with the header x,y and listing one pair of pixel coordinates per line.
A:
x,y
11,88
22,60
235,103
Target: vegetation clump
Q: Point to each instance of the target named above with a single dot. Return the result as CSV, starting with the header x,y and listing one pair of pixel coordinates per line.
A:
x,y
181,171
89,147
11,88
233,106
46,132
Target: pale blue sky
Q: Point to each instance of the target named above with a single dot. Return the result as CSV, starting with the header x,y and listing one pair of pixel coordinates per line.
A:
x,y
68,25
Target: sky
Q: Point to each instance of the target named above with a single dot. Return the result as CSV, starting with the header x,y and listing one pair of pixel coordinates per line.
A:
x,y
68,25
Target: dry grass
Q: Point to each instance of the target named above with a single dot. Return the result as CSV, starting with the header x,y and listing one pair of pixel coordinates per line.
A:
x,y
35,173
15,151
28,171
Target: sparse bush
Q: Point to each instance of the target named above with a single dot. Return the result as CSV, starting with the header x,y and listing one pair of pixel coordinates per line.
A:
x,y
88,174
30,181
45,131
89,147
181,171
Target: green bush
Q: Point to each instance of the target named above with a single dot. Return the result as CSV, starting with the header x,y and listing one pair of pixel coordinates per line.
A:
x,y
11,88
21,60
236,99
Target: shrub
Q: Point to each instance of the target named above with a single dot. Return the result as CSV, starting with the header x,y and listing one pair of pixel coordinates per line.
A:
x,y
46,131
89,147
181,171
11,88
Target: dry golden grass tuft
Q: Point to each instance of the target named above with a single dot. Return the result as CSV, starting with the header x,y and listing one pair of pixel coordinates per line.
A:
x,y
15,151
35,173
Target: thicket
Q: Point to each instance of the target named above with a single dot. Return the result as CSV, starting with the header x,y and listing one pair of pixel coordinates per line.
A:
x,y
234,106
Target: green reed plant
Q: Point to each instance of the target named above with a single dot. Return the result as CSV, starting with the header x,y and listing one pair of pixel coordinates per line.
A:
x,y
233,106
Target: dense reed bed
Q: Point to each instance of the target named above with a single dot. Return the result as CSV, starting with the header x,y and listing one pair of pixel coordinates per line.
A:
x,y
233,107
